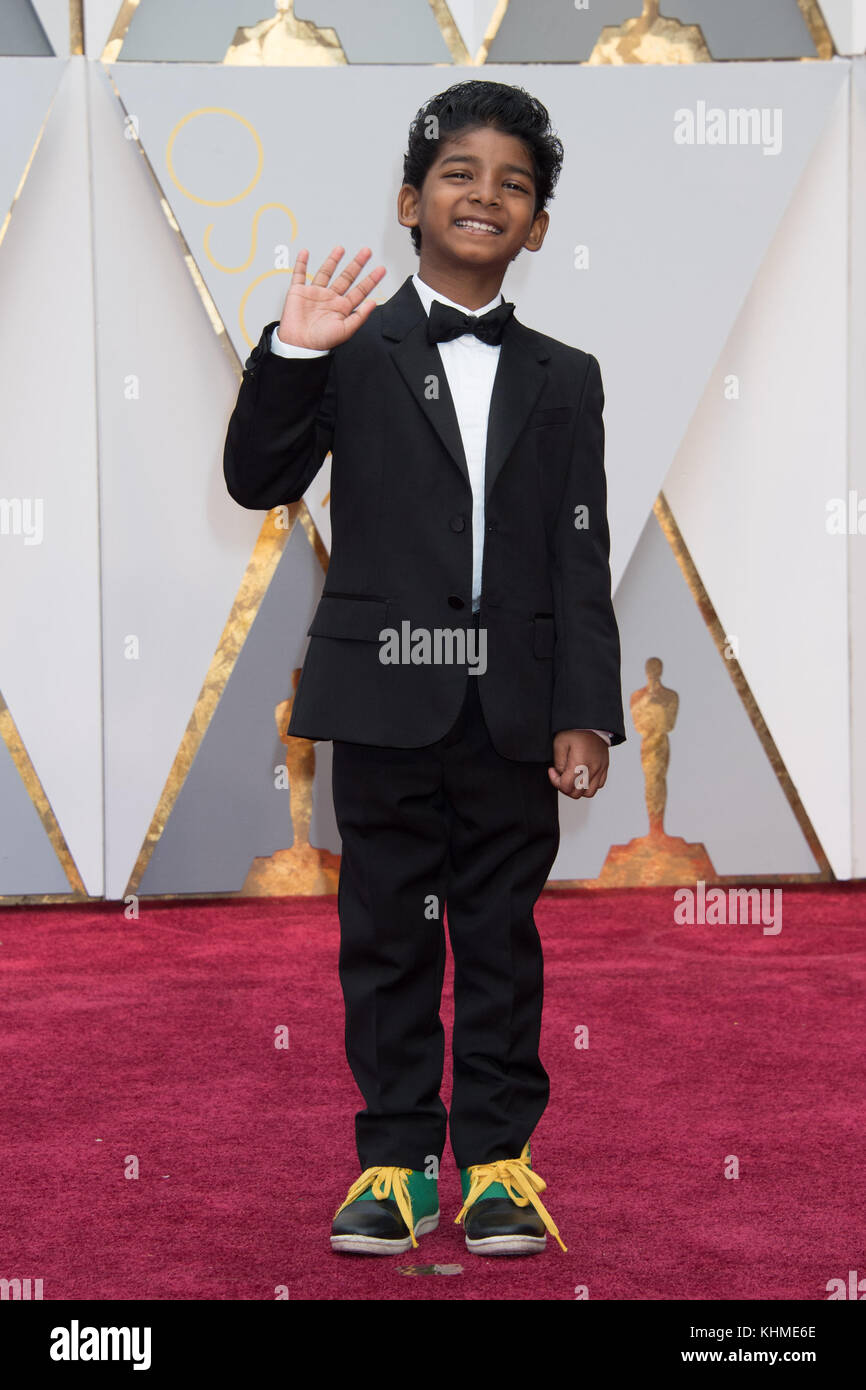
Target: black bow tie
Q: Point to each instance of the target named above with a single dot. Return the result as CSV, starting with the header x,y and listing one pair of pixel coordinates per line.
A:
x,y
445,322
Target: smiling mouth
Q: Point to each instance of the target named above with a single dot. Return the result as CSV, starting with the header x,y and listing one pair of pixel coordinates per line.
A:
x,y
478,228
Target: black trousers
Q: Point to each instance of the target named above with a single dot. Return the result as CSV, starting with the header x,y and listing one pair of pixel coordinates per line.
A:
x,y
452,822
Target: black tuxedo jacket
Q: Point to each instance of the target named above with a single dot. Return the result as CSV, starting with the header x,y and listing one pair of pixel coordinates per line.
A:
x,y
401,520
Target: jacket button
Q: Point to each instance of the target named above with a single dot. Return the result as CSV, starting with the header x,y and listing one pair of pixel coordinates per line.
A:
x,y
455,602
253,360
492,526
457,523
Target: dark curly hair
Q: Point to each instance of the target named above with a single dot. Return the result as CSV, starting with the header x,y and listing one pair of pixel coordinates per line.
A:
x,y
470,105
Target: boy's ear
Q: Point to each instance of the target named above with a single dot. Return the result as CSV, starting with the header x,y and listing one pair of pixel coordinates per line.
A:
x,y
407,206
537,232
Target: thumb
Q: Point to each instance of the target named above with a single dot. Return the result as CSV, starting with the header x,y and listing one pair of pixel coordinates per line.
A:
x,y
560,753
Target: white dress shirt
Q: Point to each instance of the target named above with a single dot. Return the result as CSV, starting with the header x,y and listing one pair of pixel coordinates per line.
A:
x,y
470,367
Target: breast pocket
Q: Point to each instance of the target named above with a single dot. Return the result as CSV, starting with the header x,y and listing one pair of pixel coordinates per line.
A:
x,y
553,415
360,617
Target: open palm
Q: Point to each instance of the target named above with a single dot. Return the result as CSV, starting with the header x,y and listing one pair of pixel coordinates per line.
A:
x,y
322,315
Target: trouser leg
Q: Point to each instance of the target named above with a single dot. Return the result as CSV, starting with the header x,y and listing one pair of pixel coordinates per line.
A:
x,y
393,877
503,841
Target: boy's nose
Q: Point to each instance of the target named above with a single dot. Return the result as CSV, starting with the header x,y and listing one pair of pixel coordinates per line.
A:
x,y
488,201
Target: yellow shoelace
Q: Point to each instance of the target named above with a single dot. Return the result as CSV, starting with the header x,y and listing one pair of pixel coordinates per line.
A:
x,y
519,1181
385,1182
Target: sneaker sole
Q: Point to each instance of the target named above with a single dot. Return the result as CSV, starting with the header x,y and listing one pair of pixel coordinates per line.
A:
x,y
377,1245
507,1245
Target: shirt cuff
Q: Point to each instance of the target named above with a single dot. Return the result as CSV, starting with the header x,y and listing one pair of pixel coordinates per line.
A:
x,y
602,733
290,350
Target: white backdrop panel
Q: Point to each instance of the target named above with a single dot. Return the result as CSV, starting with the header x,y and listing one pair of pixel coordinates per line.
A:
x,y
721,790
49,618
750,485
174,544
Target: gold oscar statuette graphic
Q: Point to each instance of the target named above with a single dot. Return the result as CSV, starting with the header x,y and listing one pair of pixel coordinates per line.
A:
x,y
284,40
302,869
650,39
656,857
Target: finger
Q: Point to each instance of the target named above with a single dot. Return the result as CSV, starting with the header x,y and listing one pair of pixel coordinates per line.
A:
x,y
361,314
328,266
363,288
595,781
579,777
581,781
299,272
566,781
348,273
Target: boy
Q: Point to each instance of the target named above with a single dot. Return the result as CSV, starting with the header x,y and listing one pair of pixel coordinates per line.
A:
x,y
467,488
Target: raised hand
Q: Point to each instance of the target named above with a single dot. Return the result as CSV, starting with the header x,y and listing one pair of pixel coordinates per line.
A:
x,y
320,315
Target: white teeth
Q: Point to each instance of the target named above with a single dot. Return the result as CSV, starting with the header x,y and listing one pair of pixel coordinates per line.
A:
x,y
482,226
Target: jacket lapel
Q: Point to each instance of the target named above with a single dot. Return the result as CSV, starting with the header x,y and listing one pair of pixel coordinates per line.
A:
x,y
520,375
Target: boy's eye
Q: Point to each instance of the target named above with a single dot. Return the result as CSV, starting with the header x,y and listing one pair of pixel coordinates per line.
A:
x,y
461,174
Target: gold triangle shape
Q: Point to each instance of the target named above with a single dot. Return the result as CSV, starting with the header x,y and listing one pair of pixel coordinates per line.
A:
x,y
257,577
35,790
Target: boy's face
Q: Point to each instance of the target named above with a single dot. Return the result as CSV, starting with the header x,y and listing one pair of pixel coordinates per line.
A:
x,y
482,176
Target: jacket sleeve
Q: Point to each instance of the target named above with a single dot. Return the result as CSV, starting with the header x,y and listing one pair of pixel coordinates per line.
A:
x,y
281,428
586,690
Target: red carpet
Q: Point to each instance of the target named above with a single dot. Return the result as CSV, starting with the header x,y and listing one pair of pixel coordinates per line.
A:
x,y
155,1039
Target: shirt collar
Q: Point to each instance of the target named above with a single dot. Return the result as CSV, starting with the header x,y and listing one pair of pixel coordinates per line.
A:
x,y
427,296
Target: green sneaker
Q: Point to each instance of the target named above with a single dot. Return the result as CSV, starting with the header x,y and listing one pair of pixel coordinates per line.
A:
x,y
504,1215
387,1207
495,1189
